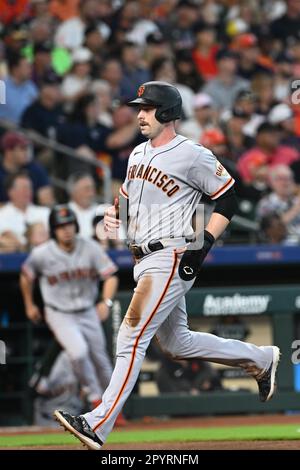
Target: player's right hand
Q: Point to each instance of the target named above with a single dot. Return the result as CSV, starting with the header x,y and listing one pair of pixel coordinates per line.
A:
x,y
111,220
33,313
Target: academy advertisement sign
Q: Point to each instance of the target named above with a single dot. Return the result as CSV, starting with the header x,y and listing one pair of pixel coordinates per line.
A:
x,y
235,304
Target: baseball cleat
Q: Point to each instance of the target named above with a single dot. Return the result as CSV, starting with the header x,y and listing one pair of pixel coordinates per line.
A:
x,y
78,426
267,382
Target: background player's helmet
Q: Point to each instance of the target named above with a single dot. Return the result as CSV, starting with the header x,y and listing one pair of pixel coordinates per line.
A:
x,y
61,214
163,96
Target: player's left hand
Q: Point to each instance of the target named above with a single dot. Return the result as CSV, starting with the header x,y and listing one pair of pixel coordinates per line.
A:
x,y
190,264
102,310
192,260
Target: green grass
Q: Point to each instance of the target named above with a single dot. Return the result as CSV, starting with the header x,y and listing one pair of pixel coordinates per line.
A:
x,y
245,433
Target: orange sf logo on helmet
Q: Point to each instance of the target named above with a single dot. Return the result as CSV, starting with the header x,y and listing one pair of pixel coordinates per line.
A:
x,y
141,90
63,212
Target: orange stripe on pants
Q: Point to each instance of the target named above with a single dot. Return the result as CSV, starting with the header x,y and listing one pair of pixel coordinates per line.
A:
x,y
137,342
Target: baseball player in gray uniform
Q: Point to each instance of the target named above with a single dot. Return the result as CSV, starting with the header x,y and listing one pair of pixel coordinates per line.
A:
x,y
69,268
169,173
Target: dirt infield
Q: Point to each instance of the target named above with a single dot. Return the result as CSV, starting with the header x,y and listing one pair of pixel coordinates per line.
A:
x,y
215,445
204,422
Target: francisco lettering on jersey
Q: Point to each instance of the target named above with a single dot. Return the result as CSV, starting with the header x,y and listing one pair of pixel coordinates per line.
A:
x,y
76,274
154,176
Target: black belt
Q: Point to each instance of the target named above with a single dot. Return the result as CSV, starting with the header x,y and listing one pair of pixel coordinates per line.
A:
x,y
68,311
138,252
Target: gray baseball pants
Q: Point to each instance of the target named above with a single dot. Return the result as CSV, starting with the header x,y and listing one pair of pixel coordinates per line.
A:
x,y
158,308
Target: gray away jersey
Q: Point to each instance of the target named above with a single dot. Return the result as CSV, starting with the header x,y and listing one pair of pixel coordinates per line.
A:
x,y
164,185
69,281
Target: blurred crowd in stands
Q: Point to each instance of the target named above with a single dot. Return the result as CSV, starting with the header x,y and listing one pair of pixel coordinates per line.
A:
x,y
70,66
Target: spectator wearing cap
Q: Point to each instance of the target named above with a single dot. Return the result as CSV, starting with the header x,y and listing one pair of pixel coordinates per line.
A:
x,y
16,157
226,86
205,50
179,30
19,211
244,108
202,119
246,104
186,71
267,153
45,114
19,89
217,141
133,73
94,41
42,69
156,47
214,139
246,45
16,39
283,76
283,200
70,33
286,27
76,83
283,116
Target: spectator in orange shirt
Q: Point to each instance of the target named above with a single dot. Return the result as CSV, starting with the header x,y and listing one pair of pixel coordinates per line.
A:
x,y
215,140
204,54
64,9
267,153
14,11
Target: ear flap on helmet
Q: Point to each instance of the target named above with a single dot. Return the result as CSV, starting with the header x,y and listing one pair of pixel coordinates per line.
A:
x,y
166,114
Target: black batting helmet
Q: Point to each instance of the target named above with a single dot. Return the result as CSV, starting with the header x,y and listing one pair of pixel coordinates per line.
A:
x,y
163,96
60,215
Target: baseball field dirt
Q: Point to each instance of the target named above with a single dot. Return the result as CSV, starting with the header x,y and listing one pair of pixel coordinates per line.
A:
x,y
267,432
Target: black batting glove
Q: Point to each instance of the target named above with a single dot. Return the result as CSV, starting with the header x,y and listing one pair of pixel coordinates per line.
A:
x,y
192,260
